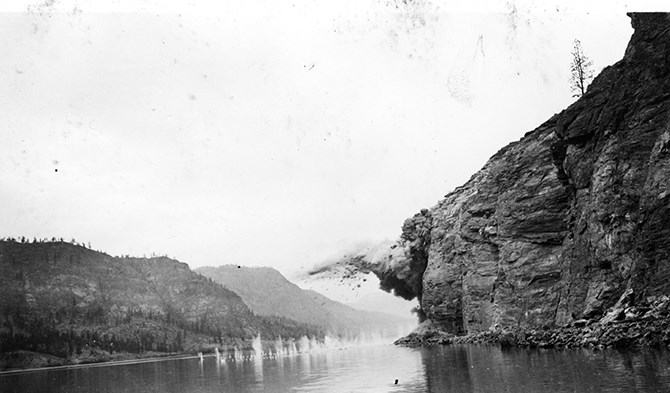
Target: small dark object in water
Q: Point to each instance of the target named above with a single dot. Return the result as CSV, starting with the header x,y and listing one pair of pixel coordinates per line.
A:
x,y
396,381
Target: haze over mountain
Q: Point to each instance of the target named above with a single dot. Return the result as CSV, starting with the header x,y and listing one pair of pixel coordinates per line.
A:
x,y
380,301
269,293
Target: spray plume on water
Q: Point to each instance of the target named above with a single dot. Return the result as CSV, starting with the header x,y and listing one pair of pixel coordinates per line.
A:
x,y
286,348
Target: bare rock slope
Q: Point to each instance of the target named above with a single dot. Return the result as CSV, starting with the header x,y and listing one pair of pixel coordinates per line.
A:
x,y
558,225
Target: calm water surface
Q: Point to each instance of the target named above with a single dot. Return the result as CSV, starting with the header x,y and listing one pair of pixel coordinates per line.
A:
x,y
372,369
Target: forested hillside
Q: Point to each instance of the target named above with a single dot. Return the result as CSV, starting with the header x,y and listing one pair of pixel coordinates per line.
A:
x,y
69,301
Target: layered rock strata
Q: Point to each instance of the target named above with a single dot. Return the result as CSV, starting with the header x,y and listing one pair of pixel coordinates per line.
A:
x,y
558,225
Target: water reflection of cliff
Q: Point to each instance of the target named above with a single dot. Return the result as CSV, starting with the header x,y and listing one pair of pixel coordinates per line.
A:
x,y
447,369
492,369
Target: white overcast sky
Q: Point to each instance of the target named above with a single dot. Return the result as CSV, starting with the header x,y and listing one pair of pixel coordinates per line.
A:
x,y
273,133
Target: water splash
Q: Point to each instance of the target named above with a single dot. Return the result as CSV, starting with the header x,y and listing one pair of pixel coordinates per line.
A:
x,y
313,344
279,347
257,346
286,348
257,357
292,349
303,344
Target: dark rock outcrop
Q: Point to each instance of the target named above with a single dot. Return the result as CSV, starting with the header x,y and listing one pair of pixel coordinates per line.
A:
x,y
558,225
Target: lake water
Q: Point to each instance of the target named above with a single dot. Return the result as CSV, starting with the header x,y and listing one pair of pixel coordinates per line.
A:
x,y
372,369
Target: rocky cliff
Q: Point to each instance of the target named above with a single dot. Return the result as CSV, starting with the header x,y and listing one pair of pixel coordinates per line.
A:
x,y
556,226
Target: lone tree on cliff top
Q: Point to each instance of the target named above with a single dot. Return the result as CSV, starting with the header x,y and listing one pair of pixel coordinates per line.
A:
x,y
580,69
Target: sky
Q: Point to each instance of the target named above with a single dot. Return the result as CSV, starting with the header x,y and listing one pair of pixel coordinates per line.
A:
x,y
268,133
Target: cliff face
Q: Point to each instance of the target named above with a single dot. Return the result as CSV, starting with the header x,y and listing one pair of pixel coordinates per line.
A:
x,y
555,227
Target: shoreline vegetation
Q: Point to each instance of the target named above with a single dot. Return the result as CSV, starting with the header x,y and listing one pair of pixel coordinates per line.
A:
x,y
63,304
624,326
121,359
25,361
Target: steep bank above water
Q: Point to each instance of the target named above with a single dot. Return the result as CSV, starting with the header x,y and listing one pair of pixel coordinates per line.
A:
x,y
558,225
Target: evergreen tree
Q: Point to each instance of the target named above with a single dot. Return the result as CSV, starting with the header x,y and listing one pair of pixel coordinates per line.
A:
x,y
581,73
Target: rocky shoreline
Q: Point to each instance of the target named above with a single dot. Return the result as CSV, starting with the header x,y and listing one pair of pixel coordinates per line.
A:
x,y
623,326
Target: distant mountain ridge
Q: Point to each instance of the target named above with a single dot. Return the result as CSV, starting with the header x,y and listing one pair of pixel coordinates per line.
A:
x,y
267,292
